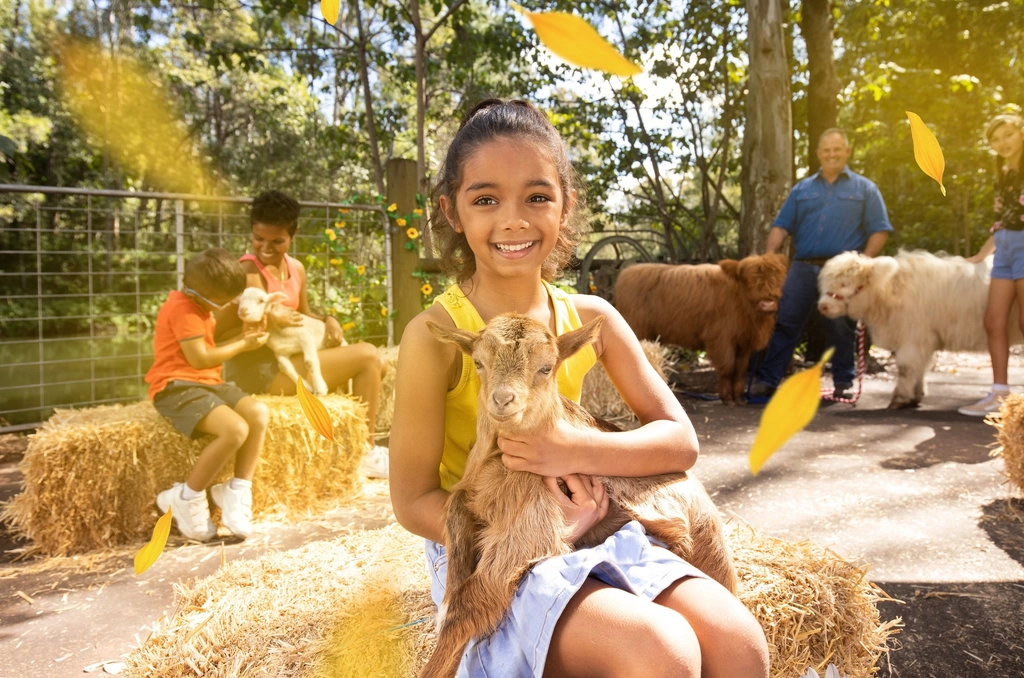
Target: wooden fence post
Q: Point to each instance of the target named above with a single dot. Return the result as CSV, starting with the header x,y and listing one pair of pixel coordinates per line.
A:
x,y
401,186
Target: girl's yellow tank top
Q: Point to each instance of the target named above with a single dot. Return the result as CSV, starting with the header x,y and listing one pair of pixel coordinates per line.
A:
x,y
461,406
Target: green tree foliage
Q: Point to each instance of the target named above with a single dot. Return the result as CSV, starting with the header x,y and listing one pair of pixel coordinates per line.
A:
x,y
954,63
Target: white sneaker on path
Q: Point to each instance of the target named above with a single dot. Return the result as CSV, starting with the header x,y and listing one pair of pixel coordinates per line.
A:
x,y
375,464
987,405
235,507
192,518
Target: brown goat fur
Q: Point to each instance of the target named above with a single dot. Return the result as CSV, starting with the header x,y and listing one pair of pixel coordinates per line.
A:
x,y
726,309
500,522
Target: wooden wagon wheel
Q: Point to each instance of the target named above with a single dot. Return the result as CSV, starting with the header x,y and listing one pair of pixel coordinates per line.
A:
x,y
602,263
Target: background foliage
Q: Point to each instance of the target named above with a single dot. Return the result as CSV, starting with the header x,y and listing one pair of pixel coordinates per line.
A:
x,y
268,95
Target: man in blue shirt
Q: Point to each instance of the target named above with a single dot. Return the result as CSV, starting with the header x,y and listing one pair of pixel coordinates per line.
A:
x,y
832,211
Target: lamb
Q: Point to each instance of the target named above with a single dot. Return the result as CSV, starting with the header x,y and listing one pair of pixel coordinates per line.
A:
x,y
501,522
914,304
727,309
255,305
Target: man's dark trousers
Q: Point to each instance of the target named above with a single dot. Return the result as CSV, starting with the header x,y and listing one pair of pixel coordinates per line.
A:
x,y
799,298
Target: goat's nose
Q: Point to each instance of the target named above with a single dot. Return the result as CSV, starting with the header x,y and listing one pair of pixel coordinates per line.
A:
x,y
502,397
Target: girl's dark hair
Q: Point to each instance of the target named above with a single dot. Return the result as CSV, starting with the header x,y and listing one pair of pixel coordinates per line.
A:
x,y
995,123
502,119
215,271
275,208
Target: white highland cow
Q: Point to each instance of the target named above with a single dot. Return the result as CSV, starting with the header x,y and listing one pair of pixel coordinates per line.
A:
x,y
914,304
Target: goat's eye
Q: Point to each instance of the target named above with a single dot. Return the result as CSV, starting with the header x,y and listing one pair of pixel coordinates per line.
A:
x,y
479,365
545,370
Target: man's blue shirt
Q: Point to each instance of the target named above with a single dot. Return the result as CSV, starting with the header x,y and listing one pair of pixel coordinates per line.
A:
x,y
827,219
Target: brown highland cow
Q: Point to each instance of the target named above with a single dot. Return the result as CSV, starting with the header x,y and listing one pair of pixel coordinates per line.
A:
x,y
499,523
726,309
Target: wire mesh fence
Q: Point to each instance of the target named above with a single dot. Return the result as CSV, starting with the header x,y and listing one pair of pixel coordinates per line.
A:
x,y
83,273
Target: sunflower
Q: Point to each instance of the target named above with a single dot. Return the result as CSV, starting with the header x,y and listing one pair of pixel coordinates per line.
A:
x,y
401,221
412,233
426,289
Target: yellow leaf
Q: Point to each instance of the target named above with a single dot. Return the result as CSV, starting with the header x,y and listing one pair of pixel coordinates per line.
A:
x,y
927,151
791,408
576,41
330,8
148,554
315,411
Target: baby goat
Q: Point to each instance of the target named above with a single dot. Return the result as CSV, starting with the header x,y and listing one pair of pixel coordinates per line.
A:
x,y
500,522
285,341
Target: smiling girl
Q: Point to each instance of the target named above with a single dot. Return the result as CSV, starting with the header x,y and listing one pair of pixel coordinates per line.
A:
x,y
1005,133
506,221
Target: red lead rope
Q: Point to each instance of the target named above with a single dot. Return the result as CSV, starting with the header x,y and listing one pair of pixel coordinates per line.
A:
x,y
826,393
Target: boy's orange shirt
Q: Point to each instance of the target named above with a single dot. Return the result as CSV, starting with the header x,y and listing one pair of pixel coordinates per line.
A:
x,y
179,319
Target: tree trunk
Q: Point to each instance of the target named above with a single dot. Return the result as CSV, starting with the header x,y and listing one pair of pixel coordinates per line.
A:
x,y
768,133
371,122
823,84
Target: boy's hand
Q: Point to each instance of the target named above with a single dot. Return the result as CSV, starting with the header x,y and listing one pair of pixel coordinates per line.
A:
x,y
254,339
255,328
333,335
586,505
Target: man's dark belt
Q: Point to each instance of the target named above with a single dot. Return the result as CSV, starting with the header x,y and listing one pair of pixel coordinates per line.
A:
x,y
815,262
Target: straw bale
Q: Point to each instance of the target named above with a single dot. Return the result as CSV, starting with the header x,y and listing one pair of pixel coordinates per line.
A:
x,y
1010,438
353,606
386,401
92,475
600,396
815,607
361,606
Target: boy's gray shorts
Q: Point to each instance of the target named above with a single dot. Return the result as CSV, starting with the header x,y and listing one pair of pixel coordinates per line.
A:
x,y
185,403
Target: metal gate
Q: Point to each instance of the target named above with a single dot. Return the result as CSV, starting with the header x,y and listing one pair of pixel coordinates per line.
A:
x,y
83,272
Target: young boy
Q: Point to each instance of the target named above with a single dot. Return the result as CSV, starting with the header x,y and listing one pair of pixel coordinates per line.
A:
x,y
185,386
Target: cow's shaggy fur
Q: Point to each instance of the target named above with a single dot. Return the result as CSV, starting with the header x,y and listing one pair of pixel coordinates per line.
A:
x,y
499,522
726,309
914,304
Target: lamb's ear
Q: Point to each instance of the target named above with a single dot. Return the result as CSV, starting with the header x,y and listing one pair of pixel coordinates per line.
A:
x,y
730,267
570,342
277,298
464,339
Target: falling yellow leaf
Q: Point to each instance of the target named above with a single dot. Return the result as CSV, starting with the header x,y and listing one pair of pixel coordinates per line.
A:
x,y
790,409
315,411
576,41
330,9
927,151
148,554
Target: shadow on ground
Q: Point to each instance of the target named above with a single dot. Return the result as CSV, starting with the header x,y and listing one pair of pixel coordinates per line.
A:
x,y
976,629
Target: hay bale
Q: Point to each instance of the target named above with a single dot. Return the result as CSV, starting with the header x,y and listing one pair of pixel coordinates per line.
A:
x,y
1010,436
600,396
92,475
353,606
386,401
360,606
815,607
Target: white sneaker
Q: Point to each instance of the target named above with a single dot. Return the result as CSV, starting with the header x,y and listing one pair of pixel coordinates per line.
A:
x,y
987,405
375,464
235,507
192,518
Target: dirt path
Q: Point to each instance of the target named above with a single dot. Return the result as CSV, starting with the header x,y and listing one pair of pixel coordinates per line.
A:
x,y
913,493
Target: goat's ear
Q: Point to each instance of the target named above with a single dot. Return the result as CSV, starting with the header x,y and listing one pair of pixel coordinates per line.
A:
x,y
570,342
730,267
464,339
277,297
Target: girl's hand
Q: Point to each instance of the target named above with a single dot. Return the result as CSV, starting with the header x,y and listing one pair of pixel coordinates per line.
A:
x,y
285,317
586,506
334,334
554,453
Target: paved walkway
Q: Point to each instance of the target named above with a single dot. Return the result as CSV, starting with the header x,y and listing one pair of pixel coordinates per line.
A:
x,y
913,493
